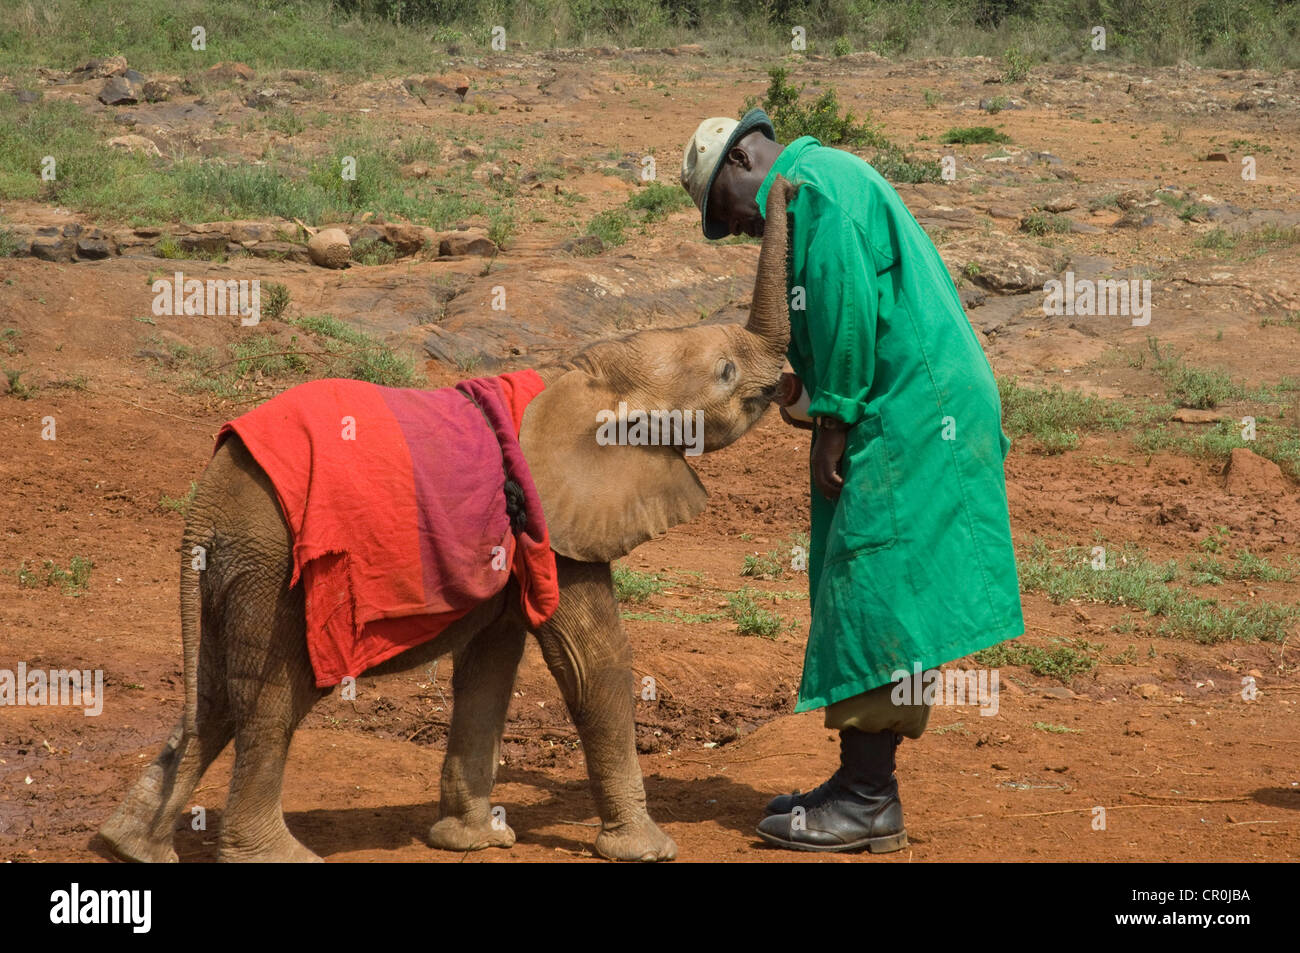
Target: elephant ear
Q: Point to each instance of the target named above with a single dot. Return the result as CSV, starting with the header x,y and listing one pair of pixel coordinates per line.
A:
x,y
600,501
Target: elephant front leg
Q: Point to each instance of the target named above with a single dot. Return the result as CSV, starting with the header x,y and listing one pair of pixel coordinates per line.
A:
x,y
481,683
587,651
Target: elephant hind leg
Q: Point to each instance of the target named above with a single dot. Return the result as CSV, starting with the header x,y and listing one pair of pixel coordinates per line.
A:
x,y
482,681
271,687
143,826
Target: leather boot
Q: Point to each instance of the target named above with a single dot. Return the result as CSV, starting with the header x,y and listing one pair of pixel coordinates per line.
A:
x,y
785,803
857,809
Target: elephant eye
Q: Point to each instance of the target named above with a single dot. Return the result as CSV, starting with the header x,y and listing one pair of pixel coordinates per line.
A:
x,y
727,372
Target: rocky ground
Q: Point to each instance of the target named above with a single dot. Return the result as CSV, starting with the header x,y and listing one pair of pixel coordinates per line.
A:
x,y
1107,173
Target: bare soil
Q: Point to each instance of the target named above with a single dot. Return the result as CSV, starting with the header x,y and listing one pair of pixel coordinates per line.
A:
x,y
1163,740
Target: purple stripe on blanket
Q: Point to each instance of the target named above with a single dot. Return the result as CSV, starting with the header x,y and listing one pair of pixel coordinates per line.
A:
x,y
459,481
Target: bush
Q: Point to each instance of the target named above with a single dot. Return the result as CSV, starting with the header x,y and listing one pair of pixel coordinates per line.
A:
x,y
822,120
973,135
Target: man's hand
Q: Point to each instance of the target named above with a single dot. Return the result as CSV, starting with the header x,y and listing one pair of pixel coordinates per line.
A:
x,y
828,450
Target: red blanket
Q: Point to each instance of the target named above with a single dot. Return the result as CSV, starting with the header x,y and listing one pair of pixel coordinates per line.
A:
x,y
397,500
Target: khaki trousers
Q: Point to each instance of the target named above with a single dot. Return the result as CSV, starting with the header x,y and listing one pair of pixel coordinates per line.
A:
x,y
875,711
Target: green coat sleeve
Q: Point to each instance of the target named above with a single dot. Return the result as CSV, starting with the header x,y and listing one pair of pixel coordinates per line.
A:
x,y
835,342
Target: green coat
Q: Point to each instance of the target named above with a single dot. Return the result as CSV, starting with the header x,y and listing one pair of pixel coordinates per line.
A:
x,y
914,563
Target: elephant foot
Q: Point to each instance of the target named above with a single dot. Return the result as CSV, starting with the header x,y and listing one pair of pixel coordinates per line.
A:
x,y
639,840
281,849
129,839
453,833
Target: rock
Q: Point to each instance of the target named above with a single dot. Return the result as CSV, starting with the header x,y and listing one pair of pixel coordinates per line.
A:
x,y
20,238
416,170
1003,265
571,86
1247,473
489,172
471,152
1131,199
136,143
358,234
1217,157
134,76
1148,691
585,245
406,239
267,96
1062,203
330,248
102,69
458,83
93,248
52,249
451,88
1083,228
200,243
278,251
942,217
226,72
119,91
157,91
1003,211
27,96
1136,218
466,243
1224,213
243,231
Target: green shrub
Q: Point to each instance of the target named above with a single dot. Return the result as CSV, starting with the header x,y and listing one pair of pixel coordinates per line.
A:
x,y
821,120
973,135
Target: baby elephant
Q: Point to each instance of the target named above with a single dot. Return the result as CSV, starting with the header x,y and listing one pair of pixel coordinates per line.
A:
x,y
248,672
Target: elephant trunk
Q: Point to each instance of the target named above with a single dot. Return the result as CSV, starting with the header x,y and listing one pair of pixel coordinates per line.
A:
x,y
769,317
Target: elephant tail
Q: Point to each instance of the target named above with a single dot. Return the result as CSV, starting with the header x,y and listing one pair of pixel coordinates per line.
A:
x,y
194,557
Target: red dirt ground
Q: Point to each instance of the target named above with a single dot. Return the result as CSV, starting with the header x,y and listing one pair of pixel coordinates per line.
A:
x,y
1186,769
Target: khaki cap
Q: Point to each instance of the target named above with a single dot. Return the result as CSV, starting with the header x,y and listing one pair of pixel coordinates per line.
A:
x,y
703,158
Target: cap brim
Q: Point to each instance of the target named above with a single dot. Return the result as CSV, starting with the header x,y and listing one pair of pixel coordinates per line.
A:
x,y
754,119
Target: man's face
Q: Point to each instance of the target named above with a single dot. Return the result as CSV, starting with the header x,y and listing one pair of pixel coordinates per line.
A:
x,y
733,198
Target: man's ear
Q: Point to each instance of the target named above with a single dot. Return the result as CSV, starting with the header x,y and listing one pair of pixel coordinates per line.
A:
x,y
740,155
600,501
